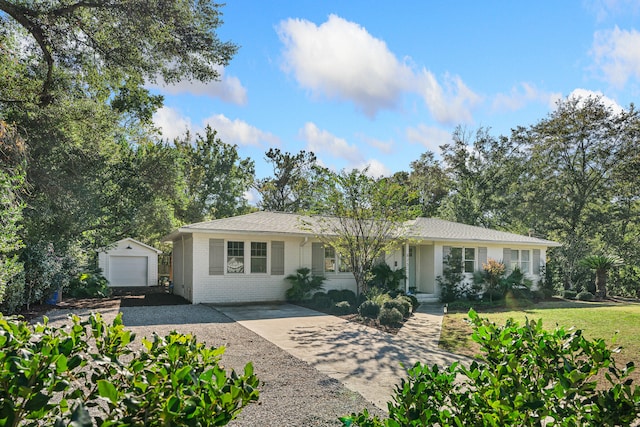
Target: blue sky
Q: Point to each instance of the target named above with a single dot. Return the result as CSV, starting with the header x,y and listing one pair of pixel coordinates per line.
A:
x,y
378,83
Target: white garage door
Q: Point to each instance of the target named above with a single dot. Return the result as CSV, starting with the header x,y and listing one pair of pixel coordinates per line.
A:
x,y
128,270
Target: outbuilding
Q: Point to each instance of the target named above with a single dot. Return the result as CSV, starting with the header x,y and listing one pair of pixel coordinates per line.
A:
x,y
129,262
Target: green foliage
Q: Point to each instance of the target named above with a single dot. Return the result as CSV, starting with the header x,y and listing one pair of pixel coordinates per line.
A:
x,y
303,283
414,302
402,305
585,296
451,283
385,278
294,183
321,301
525,376
361,219
390,316
215,177
369,309
349,296
53,376
12,178
89,285
601,264
342,308
569,294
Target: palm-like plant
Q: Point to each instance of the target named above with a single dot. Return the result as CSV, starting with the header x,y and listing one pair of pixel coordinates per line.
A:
x,y
303,283
601,264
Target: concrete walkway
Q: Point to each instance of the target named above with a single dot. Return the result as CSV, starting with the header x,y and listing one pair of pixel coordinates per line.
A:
x,y
364,359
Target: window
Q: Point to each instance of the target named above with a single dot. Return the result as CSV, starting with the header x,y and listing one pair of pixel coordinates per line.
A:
x,y
258,257
519,259
329,259
466,257
235,257
342,266
469,260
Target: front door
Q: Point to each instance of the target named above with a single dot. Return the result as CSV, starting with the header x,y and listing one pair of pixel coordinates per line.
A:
x,y
410,269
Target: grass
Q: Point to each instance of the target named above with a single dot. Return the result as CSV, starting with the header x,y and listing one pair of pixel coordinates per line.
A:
x,y
618,323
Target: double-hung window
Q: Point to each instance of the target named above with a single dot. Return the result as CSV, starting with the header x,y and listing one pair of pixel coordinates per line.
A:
x,y
466,257
235,257
519,258
258,257
329,259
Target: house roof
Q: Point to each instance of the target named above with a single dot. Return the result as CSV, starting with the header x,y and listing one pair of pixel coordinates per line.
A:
x,y
441,230
134,241
264,222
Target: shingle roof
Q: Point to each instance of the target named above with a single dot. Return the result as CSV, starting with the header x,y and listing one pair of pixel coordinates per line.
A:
x,y
421,228
441,230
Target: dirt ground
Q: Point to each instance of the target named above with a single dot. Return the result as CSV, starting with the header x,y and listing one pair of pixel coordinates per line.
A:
x,y
123,297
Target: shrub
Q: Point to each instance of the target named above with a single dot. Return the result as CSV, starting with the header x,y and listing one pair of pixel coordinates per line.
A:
x,y
414,303
390,316
349,296
402,306
369,309
385,278
585,296
406,299
493,295
89,285
569,294
342,308
335,295
451,282
321,301
61,372
302,284
525,376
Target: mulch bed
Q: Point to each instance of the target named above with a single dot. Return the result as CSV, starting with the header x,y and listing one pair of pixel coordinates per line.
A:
x,y
122,297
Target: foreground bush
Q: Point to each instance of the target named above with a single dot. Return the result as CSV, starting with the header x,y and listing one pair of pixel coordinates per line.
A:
x,y
89,285
526,376
390,317
53,376
369,309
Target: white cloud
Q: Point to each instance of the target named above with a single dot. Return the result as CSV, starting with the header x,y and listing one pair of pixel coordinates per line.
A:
x,y
430,137
173,124
522,95
240,132
608,102
617,55
375,168
341,60
384,146
322,141
228,88
449,104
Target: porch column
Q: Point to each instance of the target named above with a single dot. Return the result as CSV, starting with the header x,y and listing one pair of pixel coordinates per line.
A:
x,y
406,267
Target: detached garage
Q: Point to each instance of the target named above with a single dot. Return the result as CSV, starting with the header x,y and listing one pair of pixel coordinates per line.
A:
x,y
130,263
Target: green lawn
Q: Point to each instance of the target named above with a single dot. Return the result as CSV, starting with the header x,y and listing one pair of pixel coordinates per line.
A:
x,y
597,320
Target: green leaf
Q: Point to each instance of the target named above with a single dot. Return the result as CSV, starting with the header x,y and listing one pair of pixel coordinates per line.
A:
x,y
108,391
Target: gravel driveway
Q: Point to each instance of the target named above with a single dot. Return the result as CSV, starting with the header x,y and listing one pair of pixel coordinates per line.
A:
x,y
292,393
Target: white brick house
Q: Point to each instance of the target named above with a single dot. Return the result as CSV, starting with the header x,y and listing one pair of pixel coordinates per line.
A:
x,y
246,258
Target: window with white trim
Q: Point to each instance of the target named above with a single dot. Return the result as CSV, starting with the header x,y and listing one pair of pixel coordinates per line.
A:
x,y
467,257
521,258
258,257
329,259
235,257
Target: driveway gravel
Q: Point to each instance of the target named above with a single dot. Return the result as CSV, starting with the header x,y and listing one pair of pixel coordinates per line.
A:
x,y
292,392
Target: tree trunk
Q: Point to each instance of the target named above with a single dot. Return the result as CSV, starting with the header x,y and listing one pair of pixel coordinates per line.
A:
x,y
601,283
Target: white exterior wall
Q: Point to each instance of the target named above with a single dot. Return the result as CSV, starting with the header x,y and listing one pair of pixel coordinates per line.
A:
x,y
230,288
137,250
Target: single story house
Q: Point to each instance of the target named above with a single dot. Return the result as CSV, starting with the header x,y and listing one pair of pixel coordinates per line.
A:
x,y
246,258
129,262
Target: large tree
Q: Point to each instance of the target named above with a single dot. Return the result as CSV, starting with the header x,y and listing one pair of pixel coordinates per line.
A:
x,y
100,46
362,218
216,178
293,184
577,158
